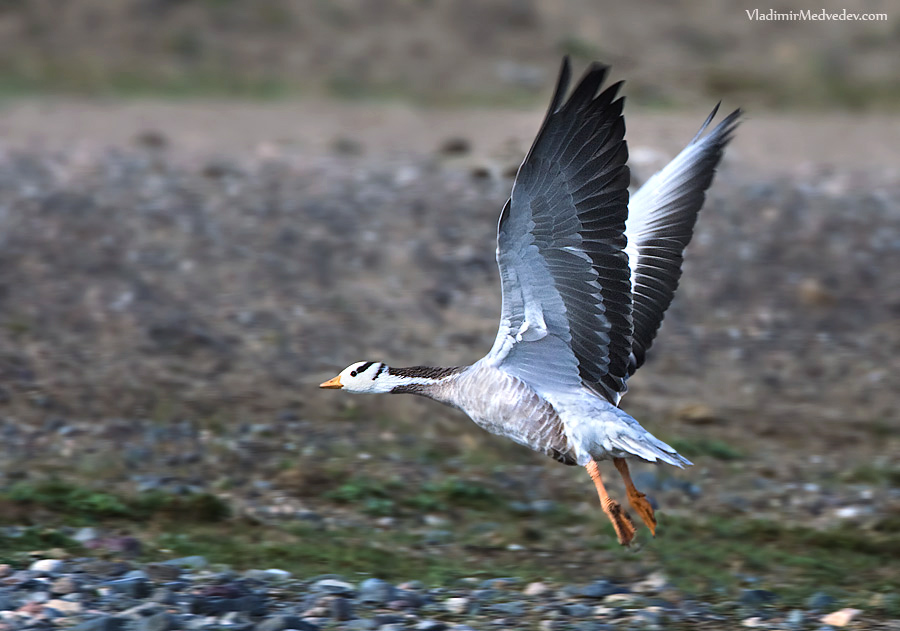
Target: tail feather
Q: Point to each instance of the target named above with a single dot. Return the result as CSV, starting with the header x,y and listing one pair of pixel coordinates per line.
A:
x,y
651,449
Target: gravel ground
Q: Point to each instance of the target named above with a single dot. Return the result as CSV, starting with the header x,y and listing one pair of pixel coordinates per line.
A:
x,y
189,593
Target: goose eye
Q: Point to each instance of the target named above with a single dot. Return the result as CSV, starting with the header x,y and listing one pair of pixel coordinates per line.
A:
x,y
352,373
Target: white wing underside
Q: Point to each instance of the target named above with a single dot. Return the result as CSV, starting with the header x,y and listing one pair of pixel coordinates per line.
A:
x,y
581,304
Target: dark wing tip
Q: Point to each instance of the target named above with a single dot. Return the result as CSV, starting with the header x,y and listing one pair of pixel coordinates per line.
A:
x,y
562,85
724,130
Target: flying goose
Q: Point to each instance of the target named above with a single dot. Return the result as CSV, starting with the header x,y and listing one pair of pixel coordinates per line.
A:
x,y
586,277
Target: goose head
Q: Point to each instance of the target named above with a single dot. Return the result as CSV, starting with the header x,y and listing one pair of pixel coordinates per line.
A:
x,y
362,377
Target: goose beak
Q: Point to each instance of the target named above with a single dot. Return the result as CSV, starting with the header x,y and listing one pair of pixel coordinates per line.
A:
x,y
332,384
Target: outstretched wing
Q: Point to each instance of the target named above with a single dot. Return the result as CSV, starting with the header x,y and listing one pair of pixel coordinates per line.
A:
x,y
660,225
566,315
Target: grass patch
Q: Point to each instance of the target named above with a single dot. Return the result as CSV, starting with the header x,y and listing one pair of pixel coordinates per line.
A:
x,y
389,497
713,556
712,447
15,549
79,504
308,551
873,474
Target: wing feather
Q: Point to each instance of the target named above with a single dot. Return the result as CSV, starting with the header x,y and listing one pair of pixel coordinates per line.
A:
x,y
561,247
660,224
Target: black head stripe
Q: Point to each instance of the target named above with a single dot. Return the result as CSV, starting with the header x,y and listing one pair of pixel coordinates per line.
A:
x,y
364,367
380,370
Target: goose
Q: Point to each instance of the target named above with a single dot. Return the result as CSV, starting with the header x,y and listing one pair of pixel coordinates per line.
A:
x,y
586,277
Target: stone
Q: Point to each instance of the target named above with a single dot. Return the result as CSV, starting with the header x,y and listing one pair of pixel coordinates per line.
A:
x,y
650,617
277,574
162,621
819,601
430,625
47,566
7,603
841,617
101,623
341,609
64,585
382,620
755,597
601,589
195,562
457,605
578,610
65,607
333,586
282,623
133,587
513,608
795,619
162,572
375,590
164,596
536,589
654,583
620,598
86,534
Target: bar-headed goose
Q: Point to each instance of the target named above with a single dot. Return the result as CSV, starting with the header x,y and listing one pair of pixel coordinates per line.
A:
x,y
586,278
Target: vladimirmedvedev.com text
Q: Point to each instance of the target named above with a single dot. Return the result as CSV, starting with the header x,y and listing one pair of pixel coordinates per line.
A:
x,y
814,16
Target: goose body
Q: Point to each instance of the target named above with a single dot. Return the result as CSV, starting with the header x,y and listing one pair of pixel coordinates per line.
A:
x,y
586,278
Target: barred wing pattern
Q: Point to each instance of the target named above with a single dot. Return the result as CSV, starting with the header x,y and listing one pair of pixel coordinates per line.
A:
x,y
566,317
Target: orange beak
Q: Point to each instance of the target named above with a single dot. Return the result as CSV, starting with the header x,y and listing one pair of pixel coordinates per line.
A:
x,y
332,384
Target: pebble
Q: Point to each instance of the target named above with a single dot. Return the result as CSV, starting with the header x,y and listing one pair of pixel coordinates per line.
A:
x,y
601,589
341,609
65,607
85,595
819,601
841,617
457,605
162,621
281,623
64,585
536,589
47,566
753,597
333,586
375,590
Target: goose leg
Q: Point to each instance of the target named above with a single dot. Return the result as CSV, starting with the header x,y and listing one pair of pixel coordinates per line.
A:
x,y
620,520
637,499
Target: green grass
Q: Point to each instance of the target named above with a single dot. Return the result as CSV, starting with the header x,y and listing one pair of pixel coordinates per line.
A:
x,y
80,505
308,551
712,556
712,447
873,474
379,497
16,549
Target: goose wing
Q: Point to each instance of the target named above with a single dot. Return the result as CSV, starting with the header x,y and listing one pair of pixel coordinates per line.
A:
x,y
566,315
660,224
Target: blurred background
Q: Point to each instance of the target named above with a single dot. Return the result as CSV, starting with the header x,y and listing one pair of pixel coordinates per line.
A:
x,y
209,206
